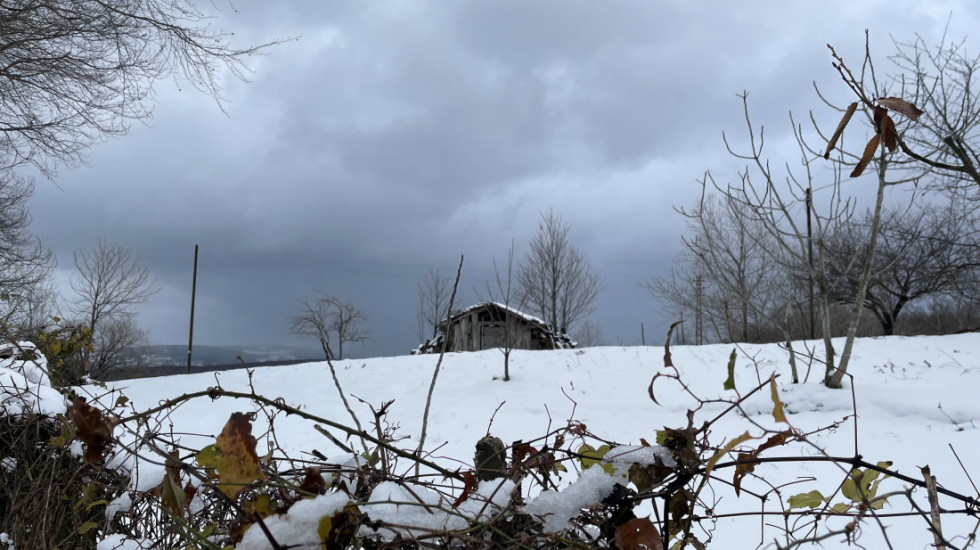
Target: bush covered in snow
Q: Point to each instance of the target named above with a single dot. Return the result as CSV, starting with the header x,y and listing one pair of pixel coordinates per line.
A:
x,y
49,496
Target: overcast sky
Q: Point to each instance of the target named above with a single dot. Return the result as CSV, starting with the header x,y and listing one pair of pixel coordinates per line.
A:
x,y
391,137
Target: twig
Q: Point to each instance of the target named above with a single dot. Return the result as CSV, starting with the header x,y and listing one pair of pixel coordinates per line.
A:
x,y
934,512
442,353
964,468
343,398
215,393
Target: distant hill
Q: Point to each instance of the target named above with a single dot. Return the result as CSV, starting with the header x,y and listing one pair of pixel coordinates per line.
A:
x,y
172,359
204,356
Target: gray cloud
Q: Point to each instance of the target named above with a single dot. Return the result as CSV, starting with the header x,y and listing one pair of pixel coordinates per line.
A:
x,y
393,137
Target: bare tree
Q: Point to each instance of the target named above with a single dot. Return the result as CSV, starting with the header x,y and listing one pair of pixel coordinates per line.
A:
x,y
25,263
109,281
589,335
775,202
73,73
895,121
505,296
942,314
433,292
941,82
324,318
29,311
120,343
727,274
931,250
555,280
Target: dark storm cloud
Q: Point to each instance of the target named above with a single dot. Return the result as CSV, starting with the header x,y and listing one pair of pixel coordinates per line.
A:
x,y
392,137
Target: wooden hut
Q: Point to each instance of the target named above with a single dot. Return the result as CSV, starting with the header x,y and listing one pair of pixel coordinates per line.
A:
x,y
486,326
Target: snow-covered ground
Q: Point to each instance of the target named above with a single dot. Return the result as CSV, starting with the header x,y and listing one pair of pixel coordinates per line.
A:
x,y
917,402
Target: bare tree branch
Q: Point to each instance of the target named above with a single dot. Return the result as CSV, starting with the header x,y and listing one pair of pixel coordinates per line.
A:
x,y
74,72
328,316
433,292
109,281
25,263
555,280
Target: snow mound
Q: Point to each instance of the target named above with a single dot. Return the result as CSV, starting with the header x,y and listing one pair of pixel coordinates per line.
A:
x,y
24,383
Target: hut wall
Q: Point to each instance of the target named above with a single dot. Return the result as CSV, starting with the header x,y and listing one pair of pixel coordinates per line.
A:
x,y
485,329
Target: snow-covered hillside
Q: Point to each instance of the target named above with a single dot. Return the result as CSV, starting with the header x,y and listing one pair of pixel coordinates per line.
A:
x,y
916,400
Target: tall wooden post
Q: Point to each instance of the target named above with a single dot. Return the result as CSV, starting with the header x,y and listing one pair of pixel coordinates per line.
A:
x,y
190,339
809,242
698,326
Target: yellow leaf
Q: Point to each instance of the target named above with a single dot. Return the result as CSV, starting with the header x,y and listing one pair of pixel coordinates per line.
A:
x,y
591,456
777,409
260,505
850,488
234,457
806,500
731,445
207,458
323,530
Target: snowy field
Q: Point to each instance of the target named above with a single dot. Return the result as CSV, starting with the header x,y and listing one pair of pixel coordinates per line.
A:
x,y
917,402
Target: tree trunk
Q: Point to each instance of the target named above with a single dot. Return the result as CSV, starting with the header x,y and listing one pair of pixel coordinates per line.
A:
x,y
887,325
835,378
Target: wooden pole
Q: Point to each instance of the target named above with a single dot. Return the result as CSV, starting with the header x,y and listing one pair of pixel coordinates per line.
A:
x,y
698,326
809,244
190,339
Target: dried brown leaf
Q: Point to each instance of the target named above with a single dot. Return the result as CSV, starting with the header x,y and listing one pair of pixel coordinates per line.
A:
x,y
670,332
879,114
520,451
92,427
743,469
313,482
848,113
339,530
869,153
470,483
901,106
889,134
638,534
650,388
775,441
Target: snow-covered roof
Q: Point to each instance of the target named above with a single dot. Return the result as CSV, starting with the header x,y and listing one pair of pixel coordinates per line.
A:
x,y
513,311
